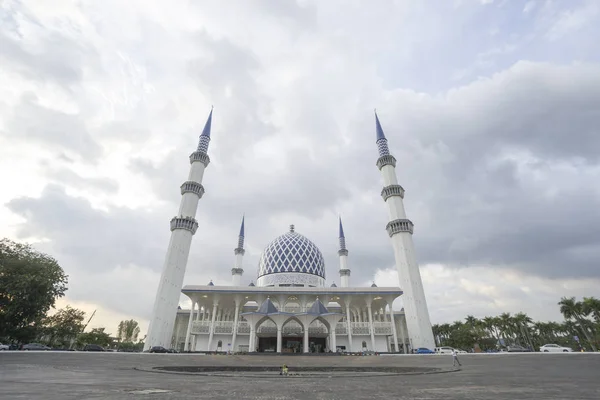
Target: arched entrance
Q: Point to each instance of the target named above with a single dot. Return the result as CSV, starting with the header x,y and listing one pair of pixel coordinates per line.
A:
x,y
318,335
266,335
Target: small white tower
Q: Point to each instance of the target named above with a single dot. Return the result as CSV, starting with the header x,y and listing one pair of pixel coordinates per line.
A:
x,y
183,227
400,230
343,253
237,271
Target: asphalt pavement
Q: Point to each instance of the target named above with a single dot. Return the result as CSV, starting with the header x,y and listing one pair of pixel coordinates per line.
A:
x,y
80,375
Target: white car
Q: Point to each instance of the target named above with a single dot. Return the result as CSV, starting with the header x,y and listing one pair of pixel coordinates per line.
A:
x,y
554,348
3,347
443,350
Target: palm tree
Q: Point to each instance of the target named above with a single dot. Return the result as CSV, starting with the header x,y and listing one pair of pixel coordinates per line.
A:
x,y
591,306
573,310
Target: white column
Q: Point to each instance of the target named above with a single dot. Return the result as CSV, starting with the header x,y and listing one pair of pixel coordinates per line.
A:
x,y
403,334
305,341
279,338
332,340
371,328
186,346
235,325
397,349
212,326
349,323
252,339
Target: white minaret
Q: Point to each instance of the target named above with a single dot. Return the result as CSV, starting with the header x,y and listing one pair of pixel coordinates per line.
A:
x,y
400,230
183,227
343,253
237,271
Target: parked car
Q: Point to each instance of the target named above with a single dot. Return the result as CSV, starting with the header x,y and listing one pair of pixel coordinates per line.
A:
x,y
424,350
35,346
4,347
158,349
444,350
93,347
554,348
517,349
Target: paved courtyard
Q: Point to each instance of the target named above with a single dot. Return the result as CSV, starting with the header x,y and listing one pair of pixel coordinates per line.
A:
x,y
56,375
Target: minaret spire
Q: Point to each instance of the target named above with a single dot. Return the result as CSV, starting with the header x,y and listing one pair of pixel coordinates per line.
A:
x,y
237,271
400,230
205,135
343,253
183,228
381,140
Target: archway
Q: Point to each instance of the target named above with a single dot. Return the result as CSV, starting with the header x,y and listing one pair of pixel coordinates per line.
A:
x,y
318,336
292,334
266,336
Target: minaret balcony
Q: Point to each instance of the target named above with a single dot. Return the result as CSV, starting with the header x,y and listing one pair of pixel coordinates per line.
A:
x,y
342,252
392,190
239,250
192,187
386,160
344,272
187,223
237,271
399,225
201,157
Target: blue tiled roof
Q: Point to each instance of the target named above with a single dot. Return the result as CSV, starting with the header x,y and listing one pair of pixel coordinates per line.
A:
x,y
291,252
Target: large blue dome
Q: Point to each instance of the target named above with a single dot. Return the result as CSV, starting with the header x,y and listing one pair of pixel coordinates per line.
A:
x,y
291,260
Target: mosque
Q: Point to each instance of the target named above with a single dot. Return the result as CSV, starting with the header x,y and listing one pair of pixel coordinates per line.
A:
x,y
290,309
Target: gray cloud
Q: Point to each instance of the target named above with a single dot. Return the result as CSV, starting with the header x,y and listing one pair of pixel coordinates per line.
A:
x,y
31,121
499,173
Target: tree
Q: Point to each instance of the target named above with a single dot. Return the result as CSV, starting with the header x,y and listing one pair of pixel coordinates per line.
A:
x,y
128,331
60,329
574,310
95,336
30,283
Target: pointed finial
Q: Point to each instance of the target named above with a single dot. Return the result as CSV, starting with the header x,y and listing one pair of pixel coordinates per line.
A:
x,y
341,228
292,228
242,226
380,134
206,130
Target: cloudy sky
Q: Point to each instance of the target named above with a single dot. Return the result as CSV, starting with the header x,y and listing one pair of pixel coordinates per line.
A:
x,y
491,108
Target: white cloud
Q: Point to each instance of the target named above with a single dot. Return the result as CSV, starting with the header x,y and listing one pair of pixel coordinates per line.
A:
x,y
100,105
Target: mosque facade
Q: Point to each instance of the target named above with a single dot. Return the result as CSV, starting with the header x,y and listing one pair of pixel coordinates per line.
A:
x,y
290,309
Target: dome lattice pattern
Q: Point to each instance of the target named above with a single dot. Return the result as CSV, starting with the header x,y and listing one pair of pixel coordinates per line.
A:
x,y
291,252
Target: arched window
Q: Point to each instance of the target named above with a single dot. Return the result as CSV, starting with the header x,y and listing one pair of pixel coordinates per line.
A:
x,y
364,344
219,343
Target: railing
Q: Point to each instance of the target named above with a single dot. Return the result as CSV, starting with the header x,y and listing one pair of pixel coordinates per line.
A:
x,y
341,328
382,328
223,327
199,327
360,328
291,328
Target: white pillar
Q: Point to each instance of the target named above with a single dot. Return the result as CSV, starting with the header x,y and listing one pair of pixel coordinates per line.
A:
x,y
252,339
371,327
279,338
186,346
305,339
396,348
235,325
403,334
332,340
212,326
349,323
